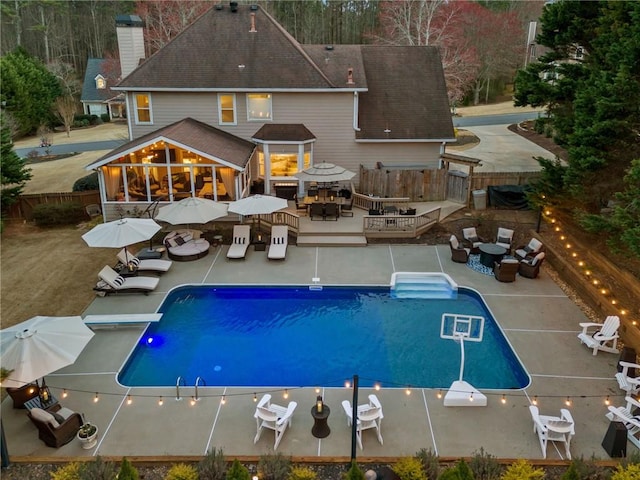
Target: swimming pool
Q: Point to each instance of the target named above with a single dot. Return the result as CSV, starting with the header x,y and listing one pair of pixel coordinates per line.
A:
x,y
296,336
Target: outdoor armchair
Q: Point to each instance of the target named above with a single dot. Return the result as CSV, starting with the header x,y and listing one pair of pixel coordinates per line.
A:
x,y
57,425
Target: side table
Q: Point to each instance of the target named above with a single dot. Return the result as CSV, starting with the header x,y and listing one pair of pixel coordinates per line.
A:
x,y
260,246
320,421
35,402
124,271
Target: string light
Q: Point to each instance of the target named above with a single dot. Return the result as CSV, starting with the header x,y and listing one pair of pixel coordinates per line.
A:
x,y
95,399
255,397
439,395
193,401
567,402
317,389
471,397
503,399
408,390
376,386
160,401
64,393
285,394
223,400
129,400
535,400
607,402
347,384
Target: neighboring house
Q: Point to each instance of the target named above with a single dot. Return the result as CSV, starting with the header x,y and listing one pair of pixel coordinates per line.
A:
x,y
94,89
235,101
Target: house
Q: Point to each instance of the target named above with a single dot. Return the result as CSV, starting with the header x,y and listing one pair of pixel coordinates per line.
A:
x,y
235,102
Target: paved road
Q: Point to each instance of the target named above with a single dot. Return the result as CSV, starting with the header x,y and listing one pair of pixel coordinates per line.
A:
x,y
503,119
73,147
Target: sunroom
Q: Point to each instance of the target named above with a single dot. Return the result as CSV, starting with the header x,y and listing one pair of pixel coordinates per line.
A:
x,y
185,159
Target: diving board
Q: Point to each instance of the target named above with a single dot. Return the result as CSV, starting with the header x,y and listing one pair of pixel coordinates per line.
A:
x,y
122,319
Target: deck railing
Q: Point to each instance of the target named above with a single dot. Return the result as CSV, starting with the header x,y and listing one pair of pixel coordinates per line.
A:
x,y
289,219
367,202
399,226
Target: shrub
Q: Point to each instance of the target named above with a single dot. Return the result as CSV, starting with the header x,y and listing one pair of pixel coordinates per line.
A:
x,y
105,117
182,471
70,471
410,468
630,472
484,466
571,473
302,473
89,182
522,470
589,469
212,466
430,463
449,474
98,470
49,215
354,473
274,467
127,471
237,471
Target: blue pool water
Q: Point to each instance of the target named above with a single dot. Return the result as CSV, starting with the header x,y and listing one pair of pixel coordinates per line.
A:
x,y
294,337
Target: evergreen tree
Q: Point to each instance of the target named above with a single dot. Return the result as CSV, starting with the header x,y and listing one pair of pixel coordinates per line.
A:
x,y
12,168
28,90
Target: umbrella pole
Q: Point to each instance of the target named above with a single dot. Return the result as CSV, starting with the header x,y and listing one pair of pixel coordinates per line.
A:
x,y
4,452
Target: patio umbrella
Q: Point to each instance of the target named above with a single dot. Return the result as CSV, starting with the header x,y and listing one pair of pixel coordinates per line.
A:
x,y
258,205
191,210
325,173
41,345
121,233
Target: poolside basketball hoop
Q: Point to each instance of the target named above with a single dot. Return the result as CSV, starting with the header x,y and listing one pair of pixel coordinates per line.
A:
x,y
460,328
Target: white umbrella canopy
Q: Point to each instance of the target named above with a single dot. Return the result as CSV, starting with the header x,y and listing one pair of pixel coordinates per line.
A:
x,y
191,210
257,205
41,345
120,233
325,173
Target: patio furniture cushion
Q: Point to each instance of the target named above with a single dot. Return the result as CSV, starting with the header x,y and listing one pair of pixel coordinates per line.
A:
x,y
44,416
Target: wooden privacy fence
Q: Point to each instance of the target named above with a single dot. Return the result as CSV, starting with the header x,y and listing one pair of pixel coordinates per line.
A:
x,y
431,185
22,209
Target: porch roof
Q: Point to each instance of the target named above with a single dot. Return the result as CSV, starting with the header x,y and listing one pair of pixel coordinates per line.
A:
x,y
190,134
285,132
461,159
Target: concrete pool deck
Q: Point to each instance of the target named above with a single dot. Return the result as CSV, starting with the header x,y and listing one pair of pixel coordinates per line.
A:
x,y
539,320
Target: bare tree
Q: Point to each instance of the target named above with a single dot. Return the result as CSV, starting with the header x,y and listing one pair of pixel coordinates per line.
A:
x,y
65,109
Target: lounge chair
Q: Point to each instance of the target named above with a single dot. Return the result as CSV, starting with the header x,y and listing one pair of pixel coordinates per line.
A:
x,y
273,417
240,242
459,254
506,270
606,334
116,283
279,242
530,267
471,239
127,257
627,379
554,429
369,417
529,250
505,238
57,425
626,416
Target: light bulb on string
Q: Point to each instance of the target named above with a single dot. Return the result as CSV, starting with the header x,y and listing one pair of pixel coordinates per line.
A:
x,y
503,399
160,401
223,400
408,390
95,399
285,394
129,400
535,400
64,393
607,401
439,394
255,397
567,402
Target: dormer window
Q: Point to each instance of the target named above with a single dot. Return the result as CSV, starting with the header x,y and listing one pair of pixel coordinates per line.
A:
x,y
101,83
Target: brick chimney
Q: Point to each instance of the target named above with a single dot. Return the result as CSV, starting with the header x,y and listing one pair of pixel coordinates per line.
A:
x,y
130,42
253,23
350,77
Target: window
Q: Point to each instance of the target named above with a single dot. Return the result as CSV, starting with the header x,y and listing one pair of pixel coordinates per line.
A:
x,y
259,106
143,108
101,83
227,109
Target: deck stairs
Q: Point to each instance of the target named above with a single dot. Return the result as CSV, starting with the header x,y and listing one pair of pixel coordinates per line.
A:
x,y
331,239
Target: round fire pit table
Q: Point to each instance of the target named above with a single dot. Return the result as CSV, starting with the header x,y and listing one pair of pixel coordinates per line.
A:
x,y
491,253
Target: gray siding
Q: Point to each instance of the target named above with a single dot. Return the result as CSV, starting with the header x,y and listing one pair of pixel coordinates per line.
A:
x,y
329,116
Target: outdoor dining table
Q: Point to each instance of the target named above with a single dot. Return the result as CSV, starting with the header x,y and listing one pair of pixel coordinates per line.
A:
x,y
339,200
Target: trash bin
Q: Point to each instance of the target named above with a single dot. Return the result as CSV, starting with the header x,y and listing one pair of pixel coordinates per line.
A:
x,y
479,200
615,440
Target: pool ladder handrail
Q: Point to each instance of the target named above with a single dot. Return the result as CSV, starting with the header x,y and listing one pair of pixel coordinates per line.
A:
x,y
204,384
180,381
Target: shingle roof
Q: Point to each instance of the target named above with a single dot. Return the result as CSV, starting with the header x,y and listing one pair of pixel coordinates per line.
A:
x,y
402,89
208,53
89,91
407,94
195,135
275,132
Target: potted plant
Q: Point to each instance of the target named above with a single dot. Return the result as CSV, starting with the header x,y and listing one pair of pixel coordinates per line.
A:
x,y
88,435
